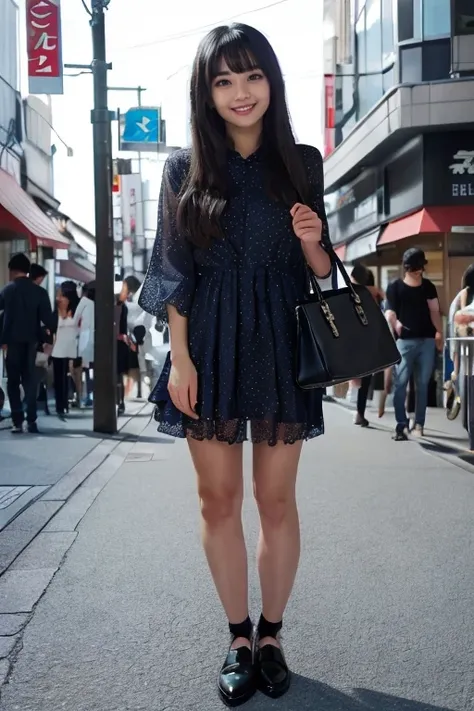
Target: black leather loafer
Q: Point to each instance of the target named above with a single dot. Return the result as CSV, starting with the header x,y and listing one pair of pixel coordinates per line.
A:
x,y
274,677
237,681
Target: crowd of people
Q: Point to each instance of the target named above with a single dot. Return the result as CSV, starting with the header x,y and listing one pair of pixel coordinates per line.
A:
x,y
412,309
46,345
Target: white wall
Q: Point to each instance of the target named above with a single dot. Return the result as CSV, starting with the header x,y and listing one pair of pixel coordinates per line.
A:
x,y
37,144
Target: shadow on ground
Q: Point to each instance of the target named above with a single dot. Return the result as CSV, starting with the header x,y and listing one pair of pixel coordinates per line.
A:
x,y
310,695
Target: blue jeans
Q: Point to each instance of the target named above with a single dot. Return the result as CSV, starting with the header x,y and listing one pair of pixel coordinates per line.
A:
x,y
418,357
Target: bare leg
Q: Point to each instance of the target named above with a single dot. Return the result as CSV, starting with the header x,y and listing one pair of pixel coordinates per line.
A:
x,y
274,473
220,488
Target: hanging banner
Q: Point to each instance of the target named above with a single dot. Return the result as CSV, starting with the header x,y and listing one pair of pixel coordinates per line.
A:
x,y
43,28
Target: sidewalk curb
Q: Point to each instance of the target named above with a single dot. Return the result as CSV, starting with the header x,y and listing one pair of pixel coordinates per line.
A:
x,y
29,574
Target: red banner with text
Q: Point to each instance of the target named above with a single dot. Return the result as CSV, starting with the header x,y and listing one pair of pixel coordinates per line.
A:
x,y
44,45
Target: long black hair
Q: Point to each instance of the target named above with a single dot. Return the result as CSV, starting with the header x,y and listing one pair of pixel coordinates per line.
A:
x,y
468,279
205,191
69,291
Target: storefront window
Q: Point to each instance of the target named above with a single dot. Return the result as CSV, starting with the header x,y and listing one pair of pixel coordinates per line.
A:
x,y
436,18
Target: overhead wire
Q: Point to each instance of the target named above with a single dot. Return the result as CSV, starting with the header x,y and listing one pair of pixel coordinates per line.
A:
x,y
89,12
197,30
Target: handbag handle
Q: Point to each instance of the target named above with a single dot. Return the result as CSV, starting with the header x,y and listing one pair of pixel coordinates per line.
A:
x,y
336,263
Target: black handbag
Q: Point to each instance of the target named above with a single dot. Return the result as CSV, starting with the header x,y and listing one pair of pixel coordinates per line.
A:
x,y
342,334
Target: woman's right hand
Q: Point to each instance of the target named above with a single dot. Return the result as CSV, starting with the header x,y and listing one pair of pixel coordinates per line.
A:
x,y
182,385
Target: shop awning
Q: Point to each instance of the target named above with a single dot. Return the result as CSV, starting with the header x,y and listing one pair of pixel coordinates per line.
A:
x,y
19,212
427,220
362,246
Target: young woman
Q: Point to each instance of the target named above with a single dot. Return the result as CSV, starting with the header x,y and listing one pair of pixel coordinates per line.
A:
x,y
241,216
65,344
85,322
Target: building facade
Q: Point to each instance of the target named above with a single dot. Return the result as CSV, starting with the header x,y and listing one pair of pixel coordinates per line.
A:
x,y
25,159
10,114
399,164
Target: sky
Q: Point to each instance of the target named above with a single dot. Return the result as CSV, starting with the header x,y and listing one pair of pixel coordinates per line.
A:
x,y
152,44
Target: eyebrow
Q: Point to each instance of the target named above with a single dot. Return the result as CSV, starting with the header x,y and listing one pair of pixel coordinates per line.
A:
x,y
227,73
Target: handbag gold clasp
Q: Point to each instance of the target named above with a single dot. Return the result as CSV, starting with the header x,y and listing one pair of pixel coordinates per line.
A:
x,y
361,314
329,316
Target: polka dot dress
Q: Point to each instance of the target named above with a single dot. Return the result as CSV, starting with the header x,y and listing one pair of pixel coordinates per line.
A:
x,y
239,296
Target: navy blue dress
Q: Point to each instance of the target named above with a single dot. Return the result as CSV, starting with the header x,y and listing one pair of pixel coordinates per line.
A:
x,y
239,296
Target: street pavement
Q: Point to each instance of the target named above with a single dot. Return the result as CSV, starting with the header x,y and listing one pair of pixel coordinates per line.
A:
x,y
381,617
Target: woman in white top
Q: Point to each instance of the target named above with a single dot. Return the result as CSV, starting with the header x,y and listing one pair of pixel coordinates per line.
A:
x,y
65,344
84,319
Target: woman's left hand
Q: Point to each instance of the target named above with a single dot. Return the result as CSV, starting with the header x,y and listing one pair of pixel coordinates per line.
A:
x,y
306,224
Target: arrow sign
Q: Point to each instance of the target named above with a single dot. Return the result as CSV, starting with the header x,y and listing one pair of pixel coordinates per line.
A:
x,y
141,126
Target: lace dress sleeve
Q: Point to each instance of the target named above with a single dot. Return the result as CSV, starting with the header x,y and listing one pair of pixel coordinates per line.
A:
x,y
170,277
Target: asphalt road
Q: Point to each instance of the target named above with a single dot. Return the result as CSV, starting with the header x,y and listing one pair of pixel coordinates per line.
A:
x,y
382,615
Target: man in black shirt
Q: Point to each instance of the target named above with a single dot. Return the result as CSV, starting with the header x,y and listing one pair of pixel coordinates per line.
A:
x,y
25,307
414,315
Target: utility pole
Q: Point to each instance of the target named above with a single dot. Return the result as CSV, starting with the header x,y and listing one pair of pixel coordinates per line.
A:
x,y
105,361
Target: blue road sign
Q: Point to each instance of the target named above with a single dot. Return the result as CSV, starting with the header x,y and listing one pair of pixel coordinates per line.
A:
x,y
141,125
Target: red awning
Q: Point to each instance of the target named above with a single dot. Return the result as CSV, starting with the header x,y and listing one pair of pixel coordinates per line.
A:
x,y
19,212
426,221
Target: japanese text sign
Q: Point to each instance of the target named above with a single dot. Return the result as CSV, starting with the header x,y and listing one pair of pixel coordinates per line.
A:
x,y
43,27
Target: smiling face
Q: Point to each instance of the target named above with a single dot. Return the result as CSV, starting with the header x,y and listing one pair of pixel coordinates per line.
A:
x,y
240,99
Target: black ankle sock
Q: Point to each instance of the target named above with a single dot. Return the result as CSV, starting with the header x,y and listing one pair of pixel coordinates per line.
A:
x,y
242,629
268,629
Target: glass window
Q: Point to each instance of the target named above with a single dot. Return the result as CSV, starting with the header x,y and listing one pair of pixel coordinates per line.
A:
x,y
405,20
370,92
411,65
388,80
373,34
361,44
436,18
417,15
388,39
436,60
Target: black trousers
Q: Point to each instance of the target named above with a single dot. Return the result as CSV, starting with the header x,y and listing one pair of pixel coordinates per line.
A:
x,y
60,371
362,394
20,365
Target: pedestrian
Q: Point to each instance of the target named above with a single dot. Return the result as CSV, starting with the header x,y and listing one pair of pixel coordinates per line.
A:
x,y
43,350
414,315
363,276
84,318
65,345
26,308
123,351
130,287
241,216
38,274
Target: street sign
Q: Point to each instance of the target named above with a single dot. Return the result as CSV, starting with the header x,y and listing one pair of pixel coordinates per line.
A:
x,y
140,129
44,46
